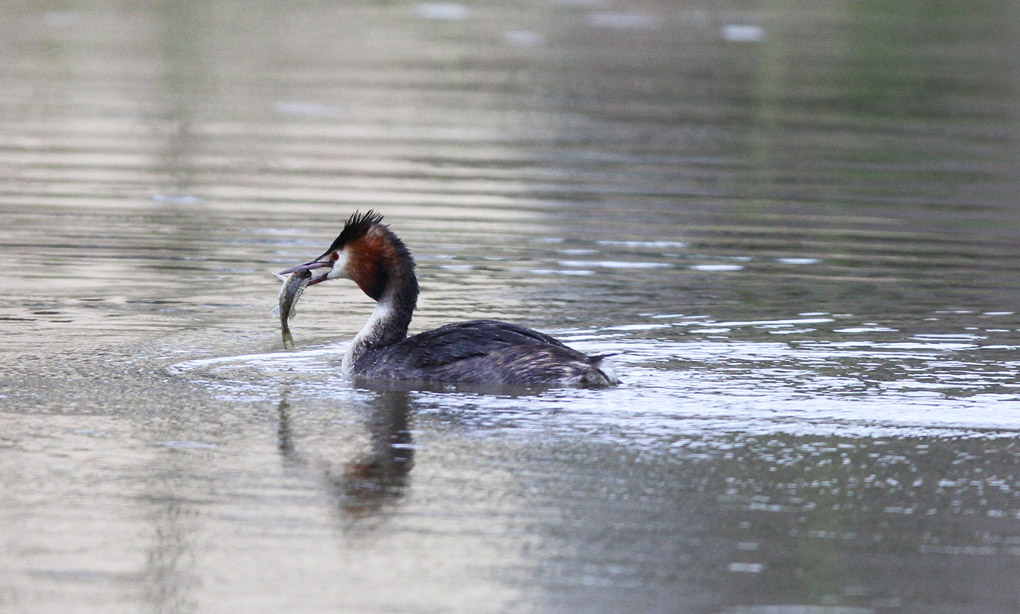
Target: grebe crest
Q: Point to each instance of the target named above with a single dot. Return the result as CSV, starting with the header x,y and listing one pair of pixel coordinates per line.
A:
x,y
479,351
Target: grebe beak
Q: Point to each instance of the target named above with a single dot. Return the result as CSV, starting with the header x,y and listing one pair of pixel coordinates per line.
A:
x,y
308,266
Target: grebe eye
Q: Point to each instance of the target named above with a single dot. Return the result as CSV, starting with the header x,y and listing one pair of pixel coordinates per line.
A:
x,y
335,256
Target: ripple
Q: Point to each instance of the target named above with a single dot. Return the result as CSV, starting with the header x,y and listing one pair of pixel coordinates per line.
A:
x,y
793,331
615,264
857,388
630,327
523,38
746,568
764,323
644,244
864,329
795,609
186,445
623,21
442,11
561,271
309,109
798,260
176,199
717,267
740,33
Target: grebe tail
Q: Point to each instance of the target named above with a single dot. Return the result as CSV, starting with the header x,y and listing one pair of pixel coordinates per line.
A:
x,y
479,351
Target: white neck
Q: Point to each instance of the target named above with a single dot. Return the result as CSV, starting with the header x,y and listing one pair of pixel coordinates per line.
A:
x,y
386,325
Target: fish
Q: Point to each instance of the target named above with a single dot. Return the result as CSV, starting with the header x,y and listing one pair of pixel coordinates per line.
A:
x,y
293,285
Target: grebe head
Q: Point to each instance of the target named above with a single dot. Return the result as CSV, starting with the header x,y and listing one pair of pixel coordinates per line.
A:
x,y
367,252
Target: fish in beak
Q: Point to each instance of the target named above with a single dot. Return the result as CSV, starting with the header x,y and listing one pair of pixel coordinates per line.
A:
x,y
310,266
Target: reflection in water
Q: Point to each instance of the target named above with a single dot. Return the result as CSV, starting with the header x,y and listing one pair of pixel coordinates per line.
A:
x,y
171,573
362,485
380,476
183,76
171,579
284,437
358,485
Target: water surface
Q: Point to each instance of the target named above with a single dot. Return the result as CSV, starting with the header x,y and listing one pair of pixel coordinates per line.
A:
x,y
797,227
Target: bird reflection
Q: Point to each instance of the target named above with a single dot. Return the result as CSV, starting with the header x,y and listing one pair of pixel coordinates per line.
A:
x,y
364,484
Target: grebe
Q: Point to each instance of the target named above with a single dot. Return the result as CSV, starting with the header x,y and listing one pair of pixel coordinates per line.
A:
x,y
479,351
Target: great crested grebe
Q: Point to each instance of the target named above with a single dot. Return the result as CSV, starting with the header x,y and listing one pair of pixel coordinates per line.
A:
x,y
479,351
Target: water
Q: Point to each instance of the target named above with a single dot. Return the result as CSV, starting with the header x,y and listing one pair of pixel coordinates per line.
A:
x,y
796,225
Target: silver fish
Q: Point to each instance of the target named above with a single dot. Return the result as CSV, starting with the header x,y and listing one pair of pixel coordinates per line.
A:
x,y
290,292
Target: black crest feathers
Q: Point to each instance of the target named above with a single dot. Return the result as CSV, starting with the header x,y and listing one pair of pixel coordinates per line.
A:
x,y
356,227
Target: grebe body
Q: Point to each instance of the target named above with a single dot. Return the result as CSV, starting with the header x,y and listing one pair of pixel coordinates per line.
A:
x,y
478,351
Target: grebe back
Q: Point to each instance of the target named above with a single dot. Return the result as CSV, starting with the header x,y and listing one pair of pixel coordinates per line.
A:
x,y
478,351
